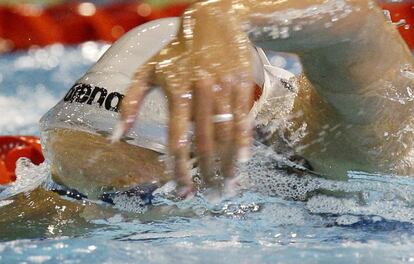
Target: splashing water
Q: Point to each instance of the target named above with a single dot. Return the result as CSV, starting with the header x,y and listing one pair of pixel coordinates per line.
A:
x,y
29,177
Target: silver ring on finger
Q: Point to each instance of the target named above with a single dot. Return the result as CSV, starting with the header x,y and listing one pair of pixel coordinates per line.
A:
x,y
222,118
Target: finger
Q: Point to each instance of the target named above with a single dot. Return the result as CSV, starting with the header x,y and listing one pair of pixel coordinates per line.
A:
x,y
242,98
178,141
204,130
224,128
132,100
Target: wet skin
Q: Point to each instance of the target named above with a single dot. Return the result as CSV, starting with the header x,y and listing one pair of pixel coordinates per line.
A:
x,y
355,103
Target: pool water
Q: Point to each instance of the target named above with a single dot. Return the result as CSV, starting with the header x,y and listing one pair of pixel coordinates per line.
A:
x,y
276,218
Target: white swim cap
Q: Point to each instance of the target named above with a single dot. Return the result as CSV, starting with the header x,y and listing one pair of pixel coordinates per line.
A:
x,y
92,104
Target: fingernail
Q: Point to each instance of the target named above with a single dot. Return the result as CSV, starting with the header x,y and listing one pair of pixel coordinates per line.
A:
x,y
118,132
244,155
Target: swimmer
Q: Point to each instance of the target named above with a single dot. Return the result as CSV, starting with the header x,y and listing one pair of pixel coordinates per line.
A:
x,y
352,111
354,104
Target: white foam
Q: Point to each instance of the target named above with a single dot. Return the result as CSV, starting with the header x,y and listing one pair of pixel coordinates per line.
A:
x,y
265,173
387,196
133,204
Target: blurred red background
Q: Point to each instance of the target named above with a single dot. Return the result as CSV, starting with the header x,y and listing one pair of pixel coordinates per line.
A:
x,y
26,25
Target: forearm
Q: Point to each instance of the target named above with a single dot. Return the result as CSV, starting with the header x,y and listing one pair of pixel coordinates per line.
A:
x,y
346,47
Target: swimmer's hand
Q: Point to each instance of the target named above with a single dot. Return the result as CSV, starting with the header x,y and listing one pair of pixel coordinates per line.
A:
x,y
207,76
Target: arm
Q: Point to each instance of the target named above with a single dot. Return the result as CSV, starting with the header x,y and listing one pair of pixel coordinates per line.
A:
x,y
356,102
